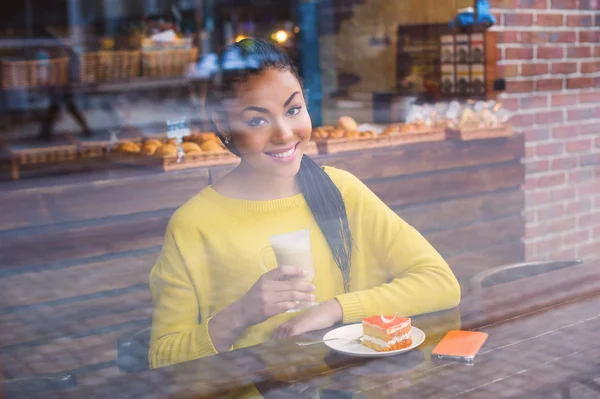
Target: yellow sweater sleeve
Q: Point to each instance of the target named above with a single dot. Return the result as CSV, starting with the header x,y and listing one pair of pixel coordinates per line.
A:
x,y
420,281
179,333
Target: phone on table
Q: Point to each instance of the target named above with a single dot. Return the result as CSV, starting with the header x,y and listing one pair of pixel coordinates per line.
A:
x,y
460,345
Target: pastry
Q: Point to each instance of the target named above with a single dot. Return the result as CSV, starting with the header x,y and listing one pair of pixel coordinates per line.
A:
x,y
347,124
191,148
149,148
128,146
211,146
385,334
154,142
166,150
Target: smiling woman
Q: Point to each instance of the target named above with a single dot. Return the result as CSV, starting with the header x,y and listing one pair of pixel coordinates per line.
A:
x,y
213,288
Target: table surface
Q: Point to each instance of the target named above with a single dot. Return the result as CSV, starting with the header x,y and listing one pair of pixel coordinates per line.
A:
x,y
544,341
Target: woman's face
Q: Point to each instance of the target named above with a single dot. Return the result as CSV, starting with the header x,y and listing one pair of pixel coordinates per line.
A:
x,y
269,123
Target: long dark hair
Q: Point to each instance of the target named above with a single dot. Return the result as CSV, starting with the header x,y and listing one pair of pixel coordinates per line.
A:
x,y
249,57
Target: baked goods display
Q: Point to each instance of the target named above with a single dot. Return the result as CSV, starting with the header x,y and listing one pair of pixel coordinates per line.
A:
x,y
196,150
385,334
478,120
348,135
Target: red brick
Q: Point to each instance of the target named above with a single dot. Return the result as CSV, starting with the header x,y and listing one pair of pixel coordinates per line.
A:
x,y
563,225
529,102
519,53
536,4
519,87
551,211
534,69
580,20
549,149
547,245
577,237
581,145
597,142
583,113
597,51
597,203
596,233
537,166
549,117
511,104
563,99
550,52
538,134
590,97
548,84
580,83
535,37
523,120
509,36
521,19
549,20
563,4
551,180
565,253
561,132
589,128
508,71
590,250
579,52
579,206
564,67
590,159
562,37
562,193
512,4
590,5
591,219
564,163
529,150
589,36
590,67
580,176
536,197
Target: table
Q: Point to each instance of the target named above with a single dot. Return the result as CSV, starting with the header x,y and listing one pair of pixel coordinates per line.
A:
x,y
544,341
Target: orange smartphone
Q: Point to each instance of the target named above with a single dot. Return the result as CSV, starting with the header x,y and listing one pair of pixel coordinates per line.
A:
x,y
460,345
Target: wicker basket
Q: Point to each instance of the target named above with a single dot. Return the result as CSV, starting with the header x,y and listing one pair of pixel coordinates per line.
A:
x,y
35,74
167,63
109,66
479,134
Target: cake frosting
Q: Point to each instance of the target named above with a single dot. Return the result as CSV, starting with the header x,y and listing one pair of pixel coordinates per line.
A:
x,y
384,333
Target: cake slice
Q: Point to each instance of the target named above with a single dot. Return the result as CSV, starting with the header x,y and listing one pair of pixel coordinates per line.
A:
x,y
385,334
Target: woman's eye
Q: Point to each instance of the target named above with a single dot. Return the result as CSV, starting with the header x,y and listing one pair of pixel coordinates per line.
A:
x,y
254,122
294,111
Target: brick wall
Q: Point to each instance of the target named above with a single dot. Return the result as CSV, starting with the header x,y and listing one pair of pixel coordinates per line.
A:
x,y
549,52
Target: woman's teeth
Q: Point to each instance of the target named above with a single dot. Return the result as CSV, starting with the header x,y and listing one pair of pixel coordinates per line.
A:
x,y
286,154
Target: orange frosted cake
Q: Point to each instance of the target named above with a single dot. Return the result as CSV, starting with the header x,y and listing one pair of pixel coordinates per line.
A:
x,y
385,334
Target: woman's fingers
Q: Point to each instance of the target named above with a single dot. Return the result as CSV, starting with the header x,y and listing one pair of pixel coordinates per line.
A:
x,y
284,296
285,272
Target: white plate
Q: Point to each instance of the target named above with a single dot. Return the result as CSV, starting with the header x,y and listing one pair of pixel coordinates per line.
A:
x,y
353,331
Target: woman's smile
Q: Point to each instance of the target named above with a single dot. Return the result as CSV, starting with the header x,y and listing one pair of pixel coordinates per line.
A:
x,y
285,154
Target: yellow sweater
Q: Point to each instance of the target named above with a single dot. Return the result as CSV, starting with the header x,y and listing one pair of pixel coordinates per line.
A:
x,y
211,258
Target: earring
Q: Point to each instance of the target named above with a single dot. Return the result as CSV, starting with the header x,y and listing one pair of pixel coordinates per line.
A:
x,y
226,140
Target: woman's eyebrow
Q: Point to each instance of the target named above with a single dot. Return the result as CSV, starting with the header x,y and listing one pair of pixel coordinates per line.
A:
x,y
257,109
289,100
266,111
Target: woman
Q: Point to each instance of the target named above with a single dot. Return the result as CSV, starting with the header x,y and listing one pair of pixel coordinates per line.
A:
x,y
210,290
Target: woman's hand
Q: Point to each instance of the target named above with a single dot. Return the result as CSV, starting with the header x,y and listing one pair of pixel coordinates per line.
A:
x,y
273,294
316,318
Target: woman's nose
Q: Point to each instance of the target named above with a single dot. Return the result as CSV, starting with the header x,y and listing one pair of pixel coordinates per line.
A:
x,y
283,133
